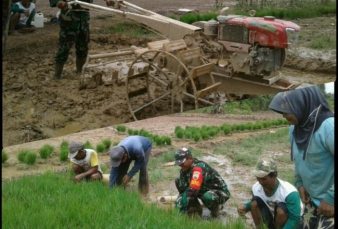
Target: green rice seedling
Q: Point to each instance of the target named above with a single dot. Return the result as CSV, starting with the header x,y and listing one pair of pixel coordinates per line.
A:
x,y
144,133
167,140
187,134
249,126
204,134
22,155
265,124
179,133
115,143
106,143
30,158
241,127
64,144
159,141
63,154
4,156
100,148
135,132
177,128
121,128
45,151
130,132
87,145
197,136
226,130
258,126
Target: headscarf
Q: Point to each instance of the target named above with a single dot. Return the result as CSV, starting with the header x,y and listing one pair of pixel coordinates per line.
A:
x,y
309,106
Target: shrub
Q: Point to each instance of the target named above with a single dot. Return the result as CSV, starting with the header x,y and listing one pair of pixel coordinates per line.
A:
x,y
121,128
106,143
135,132
63,155
22,155
4,156
30,158
187,134
130,132
45,151
64,144
204,134
100,148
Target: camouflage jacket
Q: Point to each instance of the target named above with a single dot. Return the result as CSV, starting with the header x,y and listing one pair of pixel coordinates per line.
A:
x,y
199,179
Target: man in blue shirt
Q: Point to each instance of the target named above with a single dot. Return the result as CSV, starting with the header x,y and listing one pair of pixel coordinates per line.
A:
x,y
132,148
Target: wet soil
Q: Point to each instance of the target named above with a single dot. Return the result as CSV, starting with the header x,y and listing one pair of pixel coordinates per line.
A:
x,y
36,107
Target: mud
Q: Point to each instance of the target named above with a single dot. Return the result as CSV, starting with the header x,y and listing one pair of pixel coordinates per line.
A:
x,y
35,107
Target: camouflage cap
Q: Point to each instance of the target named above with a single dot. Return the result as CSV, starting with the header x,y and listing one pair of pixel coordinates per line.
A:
x,y
181,156
264,167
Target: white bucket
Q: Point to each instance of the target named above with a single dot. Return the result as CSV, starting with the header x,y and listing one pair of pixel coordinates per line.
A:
x,y
38,20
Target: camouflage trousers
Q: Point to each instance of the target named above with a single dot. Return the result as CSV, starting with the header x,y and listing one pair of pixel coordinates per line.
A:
x,y
210,199
78,33
312,220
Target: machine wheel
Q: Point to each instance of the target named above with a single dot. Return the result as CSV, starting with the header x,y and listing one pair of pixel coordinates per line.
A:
x,y
163,85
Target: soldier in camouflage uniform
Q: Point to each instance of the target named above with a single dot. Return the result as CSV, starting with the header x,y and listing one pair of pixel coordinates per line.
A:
x,y
198,180
74,28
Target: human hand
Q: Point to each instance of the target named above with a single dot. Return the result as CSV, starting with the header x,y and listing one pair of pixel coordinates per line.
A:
x,y
241,210
325,209
62,5
125,180
304,195
78,178
110,3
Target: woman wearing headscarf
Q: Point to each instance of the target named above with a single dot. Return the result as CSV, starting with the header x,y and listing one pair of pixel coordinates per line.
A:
x,y
312,150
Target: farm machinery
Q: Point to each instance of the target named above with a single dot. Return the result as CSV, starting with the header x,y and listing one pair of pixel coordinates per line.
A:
x,y
197,64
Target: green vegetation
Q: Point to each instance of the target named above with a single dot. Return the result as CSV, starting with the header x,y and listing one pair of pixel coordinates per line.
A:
x,y
45,151
121,128
247,151
106,143
63,154
205,132
64,145
4,156
22,155
64,210
88,145
158,140
30,158
100,148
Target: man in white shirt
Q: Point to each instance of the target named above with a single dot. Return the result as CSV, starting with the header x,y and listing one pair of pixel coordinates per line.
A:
x,y
23,13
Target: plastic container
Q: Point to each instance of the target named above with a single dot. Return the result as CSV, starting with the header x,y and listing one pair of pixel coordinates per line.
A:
x,y
38,20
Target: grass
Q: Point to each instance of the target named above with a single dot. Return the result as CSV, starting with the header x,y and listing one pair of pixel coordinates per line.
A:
x,y
247,151
4,156
45,151
56,198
